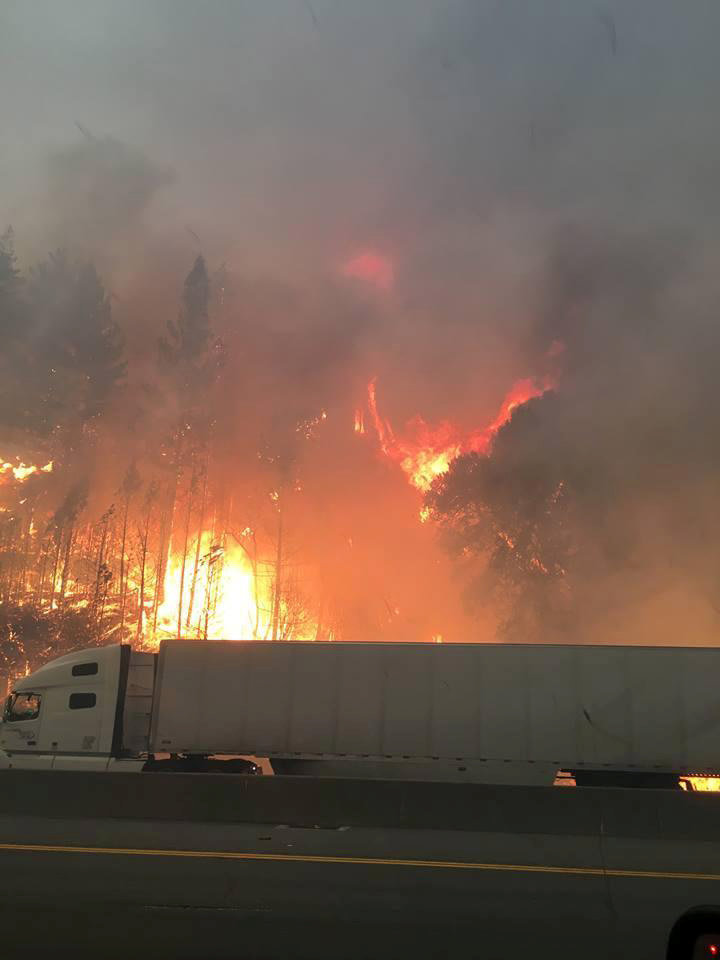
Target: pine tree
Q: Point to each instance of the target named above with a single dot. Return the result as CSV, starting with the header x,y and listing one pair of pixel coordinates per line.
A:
x,y
13,324
185,349
186,358
77,348
62,527
129,487
10,283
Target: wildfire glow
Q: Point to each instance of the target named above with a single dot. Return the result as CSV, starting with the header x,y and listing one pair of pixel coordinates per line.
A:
x,y
372,267
221,591
21,471
425,451
226,598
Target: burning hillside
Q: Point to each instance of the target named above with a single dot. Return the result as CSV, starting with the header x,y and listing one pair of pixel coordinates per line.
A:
x,y
214,526
281,339
185,545
164,500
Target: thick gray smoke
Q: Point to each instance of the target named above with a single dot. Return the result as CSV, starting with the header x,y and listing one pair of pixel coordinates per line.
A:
x,y
528,171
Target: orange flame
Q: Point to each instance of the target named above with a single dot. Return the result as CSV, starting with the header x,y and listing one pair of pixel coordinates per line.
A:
x,y
21,471
226,598
223,593
425,452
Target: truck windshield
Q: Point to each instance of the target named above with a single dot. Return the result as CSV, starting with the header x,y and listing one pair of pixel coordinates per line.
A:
x,y
22,706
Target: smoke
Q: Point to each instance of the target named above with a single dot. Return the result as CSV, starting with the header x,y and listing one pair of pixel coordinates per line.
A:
x,y
100,189
632,431
425,192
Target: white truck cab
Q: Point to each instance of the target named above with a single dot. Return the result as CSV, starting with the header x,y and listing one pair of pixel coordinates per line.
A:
x,y
65,714
91,710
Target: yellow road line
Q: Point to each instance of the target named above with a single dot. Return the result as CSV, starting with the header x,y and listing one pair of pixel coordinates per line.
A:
x,y
363,861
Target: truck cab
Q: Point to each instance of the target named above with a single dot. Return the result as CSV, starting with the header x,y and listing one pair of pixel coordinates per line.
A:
x,y
64,715
91,710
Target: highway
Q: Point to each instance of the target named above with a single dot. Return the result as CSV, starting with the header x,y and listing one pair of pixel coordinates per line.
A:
x,y
512,873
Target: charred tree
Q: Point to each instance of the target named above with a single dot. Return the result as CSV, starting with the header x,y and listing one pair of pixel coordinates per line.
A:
x,y
144,539
278,570
63,528
129,487
103,574
186,360
183,562
201,522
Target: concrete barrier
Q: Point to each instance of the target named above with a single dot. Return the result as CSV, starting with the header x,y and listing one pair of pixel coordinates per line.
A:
x,y
330,803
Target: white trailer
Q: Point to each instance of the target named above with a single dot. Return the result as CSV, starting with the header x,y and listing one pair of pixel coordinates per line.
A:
x,y
476,712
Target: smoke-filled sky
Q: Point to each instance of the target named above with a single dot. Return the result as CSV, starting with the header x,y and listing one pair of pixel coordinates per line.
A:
x,y
450,134
498,158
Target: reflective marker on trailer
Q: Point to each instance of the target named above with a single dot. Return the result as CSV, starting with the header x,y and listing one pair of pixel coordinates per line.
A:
x,y
706,945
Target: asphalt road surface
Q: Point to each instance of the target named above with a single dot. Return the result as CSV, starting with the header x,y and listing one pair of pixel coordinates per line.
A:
x,y
283,892
569,878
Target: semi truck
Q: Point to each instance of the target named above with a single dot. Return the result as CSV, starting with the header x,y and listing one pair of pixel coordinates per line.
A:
x,y
484,713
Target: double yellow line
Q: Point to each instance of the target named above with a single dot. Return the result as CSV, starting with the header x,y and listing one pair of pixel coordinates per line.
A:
x,y
359,861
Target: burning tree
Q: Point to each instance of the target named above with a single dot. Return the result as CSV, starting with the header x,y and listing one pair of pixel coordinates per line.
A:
x,y
508,514
62,362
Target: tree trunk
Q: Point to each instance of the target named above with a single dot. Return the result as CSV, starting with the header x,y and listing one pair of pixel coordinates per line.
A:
x,y
278,572
7,569
43,569
143,561
59,533
214,564
197,548
184,553
100,566
85,584
160,569
170,513
66,565
123,540
101,617
20,588
321,613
